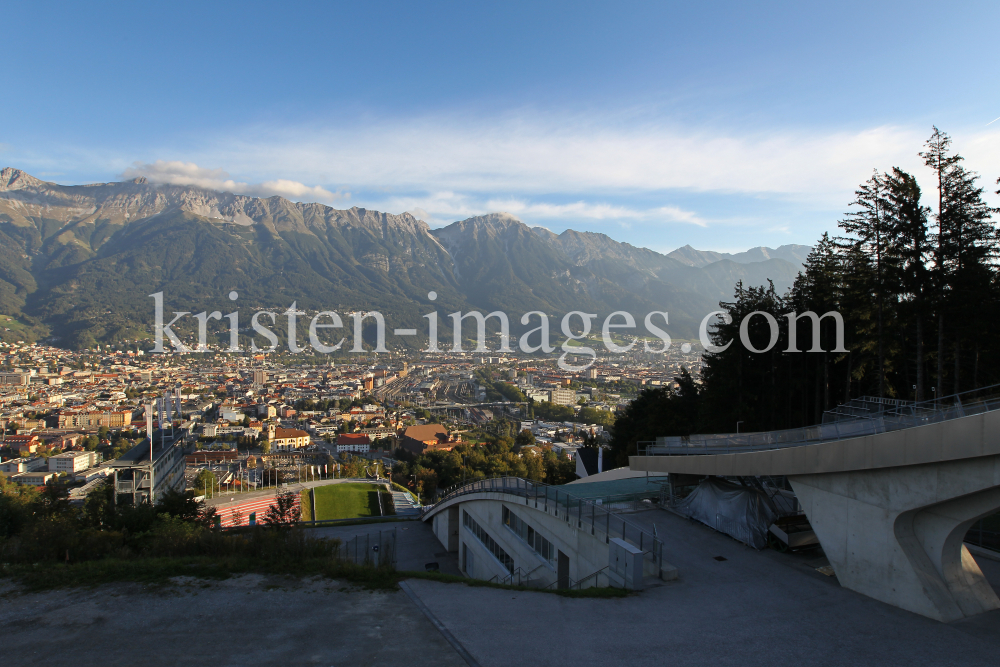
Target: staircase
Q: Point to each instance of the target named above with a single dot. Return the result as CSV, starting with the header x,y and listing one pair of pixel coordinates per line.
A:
x,y
404,505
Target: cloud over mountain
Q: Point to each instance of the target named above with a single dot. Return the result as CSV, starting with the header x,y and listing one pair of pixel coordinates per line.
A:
x,y
175,172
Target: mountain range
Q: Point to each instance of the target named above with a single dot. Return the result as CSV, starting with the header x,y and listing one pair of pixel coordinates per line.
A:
x,y
78,263
796,254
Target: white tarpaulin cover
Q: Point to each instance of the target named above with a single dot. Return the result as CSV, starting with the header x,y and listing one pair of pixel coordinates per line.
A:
x,y
737,511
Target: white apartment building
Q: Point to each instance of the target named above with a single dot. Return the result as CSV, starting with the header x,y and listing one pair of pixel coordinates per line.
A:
x,y
33,478
15,466
73,462
563,396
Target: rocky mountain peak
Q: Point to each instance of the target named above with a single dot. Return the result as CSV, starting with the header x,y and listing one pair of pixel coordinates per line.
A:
x,y
15,179
489,226
499,221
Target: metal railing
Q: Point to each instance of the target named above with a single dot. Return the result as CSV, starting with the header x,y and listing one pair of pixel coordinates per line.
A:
x,y
560,502
595,578
892,417
592,580
516,578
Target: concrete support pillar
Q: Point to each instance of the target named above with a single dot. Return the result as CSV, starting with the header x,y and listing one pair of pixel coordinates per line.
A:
x,y
895,534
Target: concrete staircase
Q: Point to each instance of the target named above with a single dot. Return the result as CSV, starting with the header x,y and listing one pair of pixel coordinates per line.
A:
x,y
404,505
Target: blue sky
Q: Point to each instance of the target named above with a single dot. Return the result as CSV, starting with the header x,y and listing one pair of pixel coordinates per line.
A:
x,y
722,125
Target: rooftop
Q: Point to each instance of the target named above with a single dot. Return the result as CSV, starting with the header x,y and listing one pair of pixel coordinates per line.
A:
x,y
139,454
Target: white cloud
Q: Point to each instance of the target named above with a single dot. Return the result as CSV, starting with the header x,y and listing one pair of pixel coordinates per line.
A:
x,y
175,172
593,211
565,169
539,156
445,207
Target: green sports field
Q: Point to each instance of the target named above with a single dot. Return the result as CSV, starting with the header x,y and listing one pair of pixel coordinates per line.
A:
x,y
349,500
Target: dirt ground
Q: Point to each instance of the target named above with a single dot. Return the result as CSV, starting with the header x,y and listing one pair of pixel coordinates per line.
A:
x,y
247,620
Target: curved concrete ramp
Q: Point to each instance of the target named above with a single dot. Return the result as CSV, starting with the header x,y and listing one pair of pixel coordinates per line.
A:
x,y
895,534
890,509
578,528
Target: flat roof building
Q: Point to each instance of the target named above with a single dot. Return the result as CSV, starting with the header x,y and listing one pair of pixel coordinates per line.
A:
x,y
36,478
73,462
146,477
19,465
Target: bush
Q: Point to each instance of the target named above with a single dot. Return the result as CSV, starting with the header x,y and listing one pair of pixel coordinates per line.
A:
x,y
58,539
169,536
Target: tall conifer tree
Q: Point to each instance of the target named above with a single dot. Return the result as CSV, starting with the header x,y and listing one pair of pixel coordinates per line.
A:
x,y
869,228
910,247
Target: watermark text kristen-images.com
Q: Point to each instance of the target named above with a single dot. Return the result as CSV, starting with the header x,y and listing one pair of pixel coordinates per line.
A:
x,y
618,320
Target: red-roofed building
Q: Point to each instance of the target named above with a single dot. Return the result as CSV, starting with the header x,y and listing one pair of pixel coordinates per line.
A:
x,y
24,444
418,439
359,443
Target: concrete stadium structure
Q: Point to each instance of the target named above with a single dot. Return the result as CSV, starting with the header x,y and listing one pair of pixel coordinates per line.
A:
x,y
890,496
513,530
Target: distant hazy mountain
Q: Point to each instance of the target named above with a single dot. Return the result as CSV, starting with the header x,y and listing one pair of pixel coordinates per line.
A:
x,y
796,254
78,262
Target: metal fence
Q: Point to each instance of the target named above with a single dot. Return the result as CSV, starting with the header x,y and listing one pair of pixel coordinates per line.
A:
x,y
893,417
370,548
585,513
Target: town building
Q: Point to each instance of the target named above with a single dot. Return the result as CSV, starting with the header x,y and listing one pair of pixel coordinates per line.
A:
x,y
94,418
17,379
563,396
285,439
145,475
73,462
418,439
35,478
19,465
25,443
357,443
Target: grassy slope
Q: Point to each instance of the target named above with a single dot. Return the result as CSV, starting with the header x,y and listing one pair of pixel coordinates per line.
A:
x,y
343,501
306,499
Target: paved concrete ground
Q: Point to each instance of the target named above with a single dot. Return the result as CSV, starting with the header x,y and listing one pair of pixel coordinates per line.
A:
x,y
416,544
754,608
250,620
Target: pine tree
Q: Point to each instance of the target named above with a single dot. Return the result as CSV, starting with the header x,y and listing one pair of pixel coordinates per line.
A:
x,y
966,246
871,234
742,385
820,289
938,157
910,247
